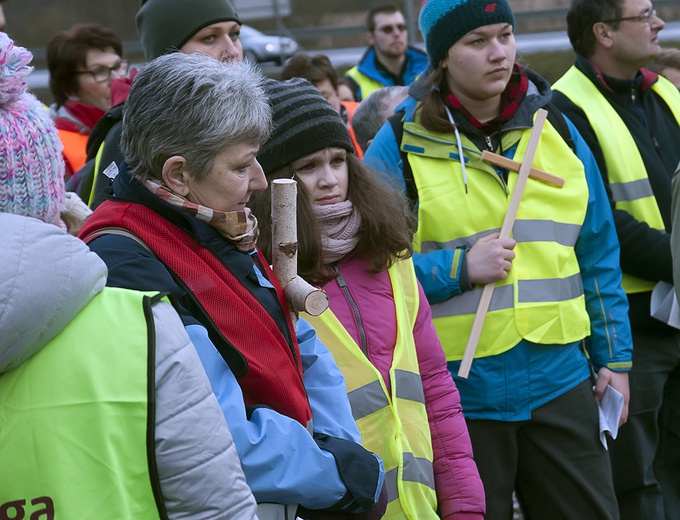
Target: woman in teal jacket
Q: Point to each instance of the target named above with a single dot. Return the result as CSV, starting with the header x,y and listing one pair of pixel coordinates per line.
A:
x,y
528,398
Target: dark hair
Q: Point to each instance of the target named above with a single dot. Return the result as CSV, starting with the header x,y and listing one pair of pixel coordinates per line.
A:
x,y
669,58
314,69
379,9
386,228
66,53
583,15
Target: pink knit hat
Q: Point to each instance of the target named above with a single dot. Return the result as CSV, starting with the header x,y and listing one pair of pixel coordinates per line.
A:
x,y
31,161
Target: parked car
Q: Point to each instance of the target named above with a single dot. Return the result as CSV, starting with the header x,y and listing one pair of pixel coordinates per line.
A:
x,y
259,47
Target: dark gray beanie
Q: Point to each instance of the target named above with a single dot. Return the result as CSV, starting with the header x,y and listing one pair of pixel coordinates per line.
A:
x,y
444,22
304,122
165,25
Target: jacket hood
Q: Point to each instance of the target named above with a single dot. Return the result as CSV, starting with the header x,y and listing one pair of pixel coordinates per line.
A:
x,y
538,95
47,277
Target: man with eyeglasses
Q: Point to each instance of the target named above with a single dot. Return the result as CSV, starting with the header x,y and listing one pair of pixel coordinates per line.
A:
x,y
630,117
388,60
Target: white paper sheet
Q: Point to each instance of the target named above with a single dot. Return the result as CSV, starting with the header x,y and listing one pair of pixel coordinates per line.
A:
x,y
664,304
610,408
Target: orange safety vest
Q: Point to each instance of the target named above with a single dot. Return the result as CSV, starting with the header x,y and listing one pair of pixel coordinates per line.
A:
x,y
351,107
75,153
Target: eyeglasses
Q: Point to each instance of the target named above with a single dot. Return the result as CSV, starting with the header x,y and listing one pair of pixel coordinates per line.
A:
x,y
389,29
644,17
102,73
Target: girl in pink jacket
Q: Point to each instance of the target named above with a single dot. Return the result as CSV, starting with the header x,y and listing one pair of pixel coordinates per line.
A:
x,y
354,239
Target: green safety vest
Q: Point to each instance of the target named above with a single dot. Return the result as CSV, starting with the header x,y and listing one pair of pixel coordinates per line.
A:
x,y
366,84
392,424
77,419
542,298
628,178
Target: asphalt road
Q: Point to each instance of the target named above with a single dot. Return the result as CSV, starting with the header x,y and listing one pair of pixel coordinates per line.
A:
x,y
526,44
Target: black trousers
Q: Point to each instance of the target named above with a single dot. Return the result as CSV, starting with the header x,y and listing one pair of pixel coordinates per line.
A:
x,y
555,459
646,454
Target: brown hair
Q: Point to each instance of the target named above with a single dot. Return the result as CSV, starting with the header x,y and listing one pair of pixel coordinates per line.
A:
x,y
432,108
66,53
583,15
386,230
379,9
314,69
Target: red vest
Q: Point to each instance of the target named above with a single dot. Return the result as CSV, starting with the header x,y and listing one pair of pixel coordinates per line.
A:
x,y
274,375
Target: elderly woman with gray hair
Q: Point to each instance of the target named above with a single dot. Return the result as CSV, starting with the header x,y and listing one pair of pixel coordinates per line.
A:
x,y
178,223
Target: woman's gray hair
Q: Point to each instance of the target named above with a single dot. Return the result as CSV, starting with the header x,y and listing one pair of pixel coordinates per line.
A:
x,y
192,106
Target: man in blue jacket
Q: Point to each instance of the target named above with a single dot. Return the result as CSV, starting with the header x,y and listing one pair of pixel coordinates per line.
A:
x,y
388,60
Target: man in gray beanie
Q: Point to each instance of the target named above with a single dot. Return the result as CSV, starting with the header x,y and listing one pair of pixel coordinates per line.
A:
x,y
182,25
209,27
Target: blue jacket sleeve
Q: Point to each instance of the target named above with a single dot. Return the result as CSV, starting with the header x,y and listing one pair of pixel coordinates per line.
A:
x,y
597,249
439,272
282,462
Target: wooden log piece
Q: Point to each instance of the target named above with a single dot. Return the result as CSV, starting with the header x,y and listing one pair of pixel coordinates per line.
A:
x,y
300,295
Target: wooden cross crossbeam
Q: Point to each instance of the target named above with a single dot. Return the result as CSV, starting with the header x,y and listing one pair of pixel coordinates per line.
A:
x,y
509,164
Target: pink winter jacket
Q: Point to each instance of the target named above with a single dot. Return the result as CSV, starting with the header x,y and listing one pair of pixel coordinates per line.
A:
x,y
459,489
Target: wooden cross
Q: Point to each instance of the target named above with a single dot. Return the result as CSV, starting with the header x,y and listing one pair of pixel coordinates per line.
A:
x,y
525,170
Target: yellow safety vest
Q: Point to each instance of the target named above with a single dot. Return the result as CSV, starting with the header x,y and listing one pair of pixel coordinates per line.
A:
x,y
366,84
542,298
76,420
628,178
393,425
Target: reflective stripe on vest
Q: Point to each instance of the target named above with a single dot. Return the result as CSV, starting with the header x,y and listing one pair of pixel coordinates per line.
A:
x,y
97,164
393,425
542,298
626,170
366,84
74,148
76,419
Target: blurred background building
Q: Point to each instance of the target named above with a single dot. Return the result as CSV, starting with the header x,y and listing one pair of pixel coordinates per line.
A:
x,y
318,26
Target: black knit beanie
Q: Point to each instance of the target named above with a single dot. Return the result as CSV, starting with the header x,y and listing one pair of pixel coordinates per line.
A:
x,y
304,122
165,25
444,22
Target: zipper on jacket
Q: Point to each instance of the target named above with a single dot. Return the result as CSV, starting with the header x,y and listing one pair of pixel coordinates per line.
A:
x,y
355,310
501,174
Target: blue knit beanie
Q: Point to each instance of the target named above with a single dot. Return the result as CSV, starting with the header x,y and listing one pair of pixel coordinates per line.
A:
x,y
444,22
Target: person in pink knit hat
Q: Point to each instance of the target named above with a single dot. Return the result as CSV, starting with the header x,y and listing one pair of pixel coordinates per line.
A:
x,y
31,161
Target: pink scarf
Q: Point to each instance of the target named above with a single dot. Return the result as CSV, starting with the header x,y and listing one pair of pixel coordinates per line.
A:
x,y
239,227
340,224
